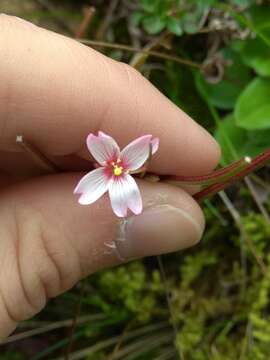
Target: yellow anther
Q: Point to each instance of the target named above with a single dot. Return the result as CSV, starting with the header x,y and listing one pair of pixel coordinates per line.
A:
x,y
117,170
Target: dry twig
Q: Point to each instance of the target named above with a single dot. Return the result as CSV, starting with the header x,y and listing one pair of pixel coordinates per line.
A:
x,y
128,48
89,13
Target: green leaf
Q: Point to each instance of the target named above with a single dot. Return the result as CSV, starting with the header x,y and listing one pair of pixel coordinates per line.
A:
x,y
256,54
177,83
252,109
237,45
224,94
260,16
228,133
242,2
245,143
153,24
260,19
174,26
136,17
149,5
190,23
257,142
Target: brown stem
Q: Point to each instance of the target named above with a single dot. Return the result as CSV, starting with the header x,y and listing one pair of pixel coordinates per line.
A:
x,y
157,54
255,164
139,59
219,175
41,160
108,18
88,15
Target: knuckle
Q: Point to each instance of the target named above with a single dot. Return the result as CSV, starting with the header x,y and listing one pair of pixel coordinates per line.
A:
x,y
25,234
7,322
45,265
23,281
37,261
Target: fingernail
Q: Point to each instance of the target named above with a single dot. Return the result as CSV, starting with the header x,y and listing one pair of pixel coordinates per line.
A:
x,y
157,230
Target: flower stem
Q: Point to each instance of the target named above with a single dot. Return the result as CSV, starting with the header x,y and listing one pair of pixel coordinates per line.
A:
x,y
220,175
37,155
254,165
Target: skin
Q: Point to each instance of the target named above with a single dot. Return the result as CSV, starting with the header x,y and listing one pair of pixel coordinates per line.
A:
x,y
55,91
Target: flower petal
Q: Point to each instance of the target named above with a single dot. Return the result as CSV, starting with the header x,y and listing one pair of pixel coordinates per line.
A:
x,y
155,145
134,199
103,147
92,186
136,153
124,193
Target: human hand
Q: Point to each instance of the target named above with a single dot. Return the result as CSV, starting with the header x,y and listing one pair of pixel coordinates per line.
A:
x,y
55,91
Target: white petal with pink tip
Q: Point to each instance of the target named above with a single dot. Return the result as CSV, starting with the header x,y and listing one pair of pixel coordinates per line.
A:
x,y
92,186
155,145
136,153
135,199
102,147
124,195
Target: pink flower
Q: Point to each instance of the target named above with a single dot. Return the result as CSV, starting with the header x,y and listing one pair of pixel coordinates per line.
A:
x,y
113,175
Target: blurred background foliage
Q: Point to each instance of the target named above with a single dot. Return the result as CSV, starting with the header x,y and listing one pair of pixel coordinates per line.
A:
x,y
218,71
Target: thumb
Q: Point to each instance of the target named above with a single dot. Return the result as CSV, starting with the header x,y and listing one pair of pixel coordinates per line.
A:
x,y
49,241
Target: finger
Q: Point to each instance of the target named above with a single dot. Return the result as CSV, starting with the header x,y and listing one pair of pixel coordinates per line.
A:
x,y
55,91
20,167
49,241
5,180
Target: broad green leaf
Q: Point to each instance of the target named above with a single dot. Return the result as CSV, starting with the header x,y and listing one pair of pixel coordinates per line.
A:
x,y
224,94
153,24
252,109
257,142
174,25
256,54
260,16
229,135
260,19
244,142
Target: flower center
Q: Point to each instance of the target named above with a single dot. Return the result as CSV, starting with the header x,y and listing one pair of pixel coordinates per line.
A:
x,y
117,170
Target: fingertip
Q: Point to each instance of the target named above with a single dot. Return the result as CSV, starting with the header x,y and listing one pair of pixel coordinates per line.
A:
x,y
171,221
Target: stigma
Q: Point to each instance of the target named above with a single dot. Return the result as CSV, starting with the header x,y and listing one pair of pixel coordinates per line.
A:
x,y
117,170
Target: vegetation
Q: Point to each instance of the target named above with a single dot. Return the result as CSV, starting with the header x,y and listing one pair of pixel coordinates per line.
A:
x,y
217,69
